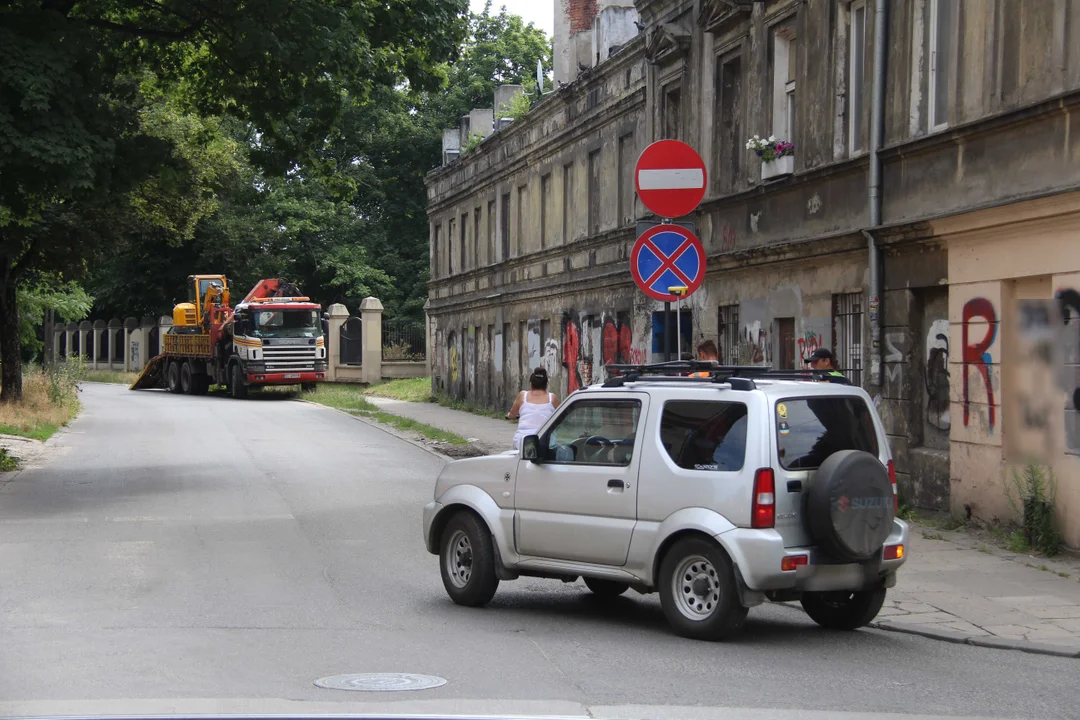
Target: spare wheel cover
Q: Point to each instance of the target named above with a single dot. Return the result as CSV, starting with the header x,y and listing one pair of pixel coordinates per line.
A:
x,y
851,505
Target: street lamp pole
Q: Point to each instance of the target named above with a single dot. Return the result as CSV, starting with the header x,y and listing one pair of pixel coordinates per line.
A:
x,y
678,291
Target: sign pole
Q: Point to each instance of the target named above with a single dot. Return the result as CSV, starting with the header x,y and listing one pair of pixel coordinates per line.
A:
x,y
678,327
667,331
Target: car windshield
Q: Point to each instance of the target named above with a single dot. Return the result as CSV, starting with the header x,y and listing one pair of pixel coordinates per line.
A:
x,y
809,430
286,324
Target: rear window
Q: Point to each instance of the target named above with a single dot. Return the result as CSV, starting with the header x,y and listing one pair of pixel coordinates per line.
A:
x,y
810,430
704,435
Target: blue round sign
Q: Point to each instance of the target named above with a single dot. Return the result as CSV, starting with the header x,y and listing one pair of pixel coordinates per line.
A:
x,y
667,256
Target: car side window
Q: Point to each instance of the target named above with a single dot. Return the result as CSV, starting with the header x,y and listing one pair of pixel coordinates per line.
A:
x,y
594,432
704,435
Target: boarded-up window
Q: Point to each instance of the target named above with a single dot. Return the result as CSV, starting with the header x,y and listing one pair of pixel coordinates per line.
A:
x,y
568,202
490,232
847,331
436,240
504,226
626,178
727,323
450,247
729,133
545,210
594,192
461,241
672,112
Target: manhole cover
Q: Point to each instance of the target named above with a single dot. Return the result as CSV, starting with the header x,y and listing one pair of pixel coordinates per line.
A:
x,y
381,682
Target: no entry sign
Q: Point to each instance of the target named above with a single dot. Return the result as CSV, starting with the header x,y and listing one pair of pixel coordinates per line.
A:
x,y
667,256
670,178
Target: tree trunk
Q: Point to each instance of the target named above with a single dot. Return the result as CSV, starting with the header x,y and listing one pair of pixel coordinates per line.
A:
x,y
10,347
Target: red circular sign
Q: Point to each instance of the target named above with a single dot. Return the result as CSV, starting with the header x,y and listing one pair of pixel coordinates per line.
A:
x,y
667,256
670,178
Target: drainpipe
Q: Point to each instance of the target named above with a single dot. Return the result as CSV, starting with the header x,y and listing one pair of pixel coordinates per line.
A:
x,y
877,133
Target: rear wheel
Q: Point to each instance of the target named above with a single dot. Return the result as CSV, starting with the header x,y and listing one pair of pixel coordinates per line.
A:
x,y
202,384
172,377
237,388
187,382
698,590
839,610
467,561
308,387
606,588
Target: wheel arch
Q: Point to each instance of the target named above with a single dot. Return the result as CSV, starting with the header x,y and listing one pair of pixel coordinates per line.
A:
x,y
688,522
472,499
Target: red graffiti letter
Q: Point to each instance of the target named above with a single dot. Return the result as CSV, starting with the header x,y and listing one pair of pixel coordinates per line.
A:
x,y
571,343
976,354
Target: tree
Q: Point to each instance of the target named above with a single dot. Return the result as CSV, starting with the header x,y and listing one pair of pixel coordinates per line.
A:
x,y
74,147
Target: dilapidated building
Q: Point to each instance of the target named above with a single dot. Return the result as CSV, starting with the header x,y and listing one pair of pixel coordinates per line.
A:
x,y
898,233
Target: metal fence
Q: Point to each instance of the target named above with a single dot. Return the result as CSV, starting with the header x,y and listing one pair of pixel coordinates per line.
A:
x,y
351,352
403,340
847,334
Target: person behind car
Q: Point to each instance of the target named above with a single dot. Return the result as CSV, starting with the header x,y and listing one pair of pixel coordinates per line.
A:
x,y
823,359
532,407
706,350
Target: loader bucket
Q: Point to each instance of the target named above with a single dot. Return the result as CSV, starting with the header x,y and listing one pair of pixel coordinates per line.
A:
x,y
152,375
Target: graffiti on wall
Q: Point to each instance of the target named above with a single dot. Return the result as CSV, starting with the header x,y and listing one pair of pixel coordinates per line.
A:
x,y
590,342
1069,301
975,355
572,353
533,346
893,356
469,339
728,239
452,352
937,375
551,359
756,348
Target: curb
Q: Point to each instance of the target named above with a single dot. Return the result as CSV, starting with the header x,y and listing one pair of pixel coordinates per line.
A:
x,y
987,641
379,426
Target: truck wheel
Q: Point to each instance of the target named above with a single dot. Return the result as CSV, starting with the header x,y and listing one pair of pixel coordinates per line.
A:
x,y
698,590
308,387
237,388
843,610
187,382
172,377
468,561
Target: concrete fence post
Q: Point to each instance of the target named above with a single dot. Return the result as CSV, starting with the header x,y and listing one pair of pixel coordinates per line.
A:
x,y
130,347
57,331
85,327
69,339
99,331
339,314
164,324
114,327
371,312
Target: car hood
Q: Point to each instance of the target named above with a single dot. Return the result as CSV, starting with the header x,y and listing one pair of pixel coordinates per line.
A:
x,y
490,472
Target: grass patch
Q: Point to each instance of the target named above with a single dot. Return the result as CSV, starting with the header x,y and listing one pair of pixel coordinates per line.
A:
x,y
1017,543
933,535
409,390
907,514
7,463
108,376
49,401
469,407
350,399
1045,568
1063,574
983,549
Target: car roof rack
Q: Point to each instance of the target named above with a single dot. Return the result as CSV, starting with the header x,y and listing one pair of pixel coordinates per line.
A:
x,y
740,377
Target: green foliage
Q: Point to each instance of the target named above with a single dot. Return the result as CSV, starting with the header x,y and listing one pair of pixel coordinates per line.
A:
x,y
1017,543
68,300
7,463
517,108
1032,493
409,389
472,143
64,379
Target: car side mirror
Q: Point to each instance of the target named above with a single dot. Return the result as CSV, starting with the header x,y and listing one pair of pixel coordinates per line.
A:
x,y
530,448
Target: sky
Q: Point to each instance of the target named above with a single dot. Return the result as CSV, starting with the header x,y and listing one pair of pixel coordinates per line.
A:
x,y
539,12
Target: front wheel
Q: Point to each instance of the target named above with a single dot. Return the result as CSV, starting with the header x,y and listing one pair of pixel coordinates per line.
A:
x,y
237,388
698,590
606,588
468,561
839,610
308,387
187,381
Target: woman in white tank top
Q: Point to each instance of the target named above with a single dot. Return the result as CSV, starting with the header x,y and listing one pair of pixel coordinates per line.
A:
x,y
533,407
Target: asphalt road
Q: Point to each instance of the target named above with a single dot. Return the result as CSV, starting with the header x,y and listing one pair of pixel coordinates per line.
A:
x,y
206,554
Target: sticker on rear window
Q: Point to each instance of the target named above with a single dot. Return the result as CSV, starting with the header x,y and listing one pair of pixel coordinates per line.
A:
x,y
781,410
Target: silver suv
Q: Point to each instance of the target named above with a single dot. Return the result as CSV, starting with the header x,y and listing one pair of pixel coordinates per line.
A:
x,y
717,492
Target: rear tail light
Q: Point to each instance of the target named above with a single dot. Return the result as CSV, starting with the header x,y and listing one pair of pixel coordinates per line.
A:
x,y
895,492
763,509
894,552
793,561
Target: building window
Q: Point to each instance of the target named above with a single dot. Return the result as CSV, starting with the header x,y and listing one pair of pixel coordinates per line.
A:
x,y
847,332
461,241
594,192
504,226
450,248
491,232
476,238
545,209
521,219
436,240
729,133
727,324
784,60
626,178
856,75
672,112
567,201
943,42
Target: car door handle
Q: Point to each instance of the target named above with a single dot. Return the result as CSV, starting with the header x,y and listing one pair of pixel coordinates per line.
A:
x,y
616,484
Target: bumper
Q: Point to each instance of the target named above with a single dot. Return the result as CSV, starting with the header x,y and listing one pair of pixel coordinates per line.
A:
x,y
280,378
759,555
431,510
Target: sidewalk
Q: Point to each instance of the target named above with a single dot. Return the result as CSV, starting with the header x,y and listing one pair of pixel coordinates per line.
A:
x,y
953,586
487,434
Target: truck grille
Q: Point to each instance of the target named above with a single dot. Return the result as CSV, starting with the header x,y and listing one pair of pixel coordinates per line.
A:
x,y
289,358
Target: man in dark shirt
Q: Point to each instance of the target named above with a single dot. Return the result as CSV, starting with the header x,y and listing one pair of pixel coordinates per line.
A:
x,y
823,359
